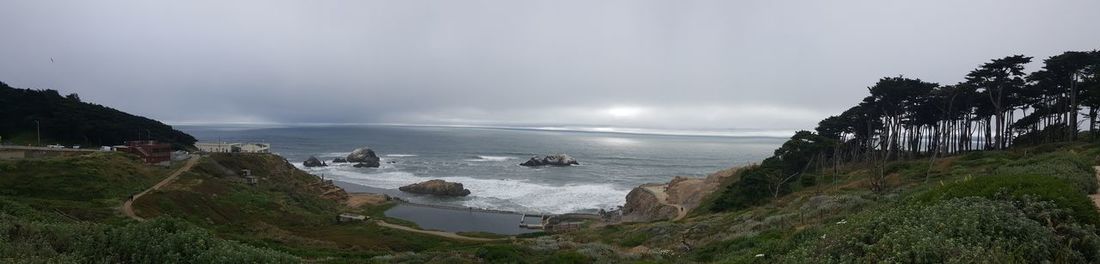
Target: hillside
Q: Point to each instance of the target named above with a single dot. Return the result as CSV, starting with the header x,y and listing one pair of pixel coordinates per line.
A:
x,y
68,120
65,210
83,187
288,209
1012,206
1024,204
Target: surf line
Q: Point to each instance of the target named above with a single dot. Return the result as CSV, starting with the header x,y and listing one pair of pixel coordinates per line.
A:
x,y
458,208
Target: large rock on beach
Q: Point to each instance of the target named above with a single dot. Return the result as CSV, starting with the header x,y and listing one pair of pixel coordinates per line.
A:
x,y
436,187
365,157
314,162
553,160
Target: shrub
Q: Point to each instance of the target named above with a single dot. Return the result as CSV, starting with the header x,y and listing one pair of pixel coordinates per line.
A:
x,y
1014,187
635,239
742,249
1072,168
567,257
751,189
30,236
500,254
961,230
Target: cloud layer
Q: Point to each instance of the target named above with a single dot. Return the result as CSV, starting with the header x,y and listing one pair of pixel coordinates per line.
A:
x,y
679,64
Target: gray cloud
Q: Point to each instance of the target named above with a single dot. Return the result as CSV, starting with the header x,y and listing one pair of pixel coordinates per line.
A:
x,y
679,64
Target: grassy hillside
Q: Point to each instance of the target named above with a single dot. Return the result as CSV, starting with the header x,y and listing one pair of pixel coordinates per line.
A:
x,y
68,120
1019,205
87,187
65,210
288,209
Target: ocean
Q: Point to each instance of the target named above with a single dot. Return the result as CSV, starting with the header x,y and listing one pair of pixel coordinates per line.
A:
x,y
486,160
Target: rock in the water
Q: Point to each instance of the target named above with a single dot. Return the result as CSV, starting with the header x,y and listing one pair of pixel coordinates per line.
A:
x,y
364,157
363,154
314,162
339,160
436,187
555,160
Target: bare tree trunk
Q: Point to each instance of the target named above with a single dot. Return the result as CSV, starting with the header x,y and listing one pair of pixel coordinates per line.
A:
x,y
1073,107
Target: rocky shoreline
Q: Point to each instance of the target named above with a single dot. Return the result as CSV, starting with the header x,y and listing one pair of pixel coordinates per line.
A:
x,y
671,200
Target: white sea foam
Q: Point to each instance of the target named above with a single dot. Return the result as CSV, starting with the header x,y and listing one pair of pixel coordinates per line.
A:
x,y
400,155
491,158
501,194
333,154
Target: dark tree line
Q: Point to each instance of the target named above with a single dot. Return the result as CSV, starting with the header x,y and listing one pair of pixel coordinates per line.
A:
x,y
997,105
67,120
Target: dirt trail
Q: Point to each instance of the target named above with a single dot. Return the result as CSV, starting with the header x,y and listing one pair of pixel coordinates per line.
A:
x,y
127,207
662,197
1096,197
437,233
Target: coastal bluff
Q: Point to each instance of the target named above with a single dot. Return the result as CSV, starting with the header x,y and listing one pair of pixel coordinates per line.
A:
x,y
672,200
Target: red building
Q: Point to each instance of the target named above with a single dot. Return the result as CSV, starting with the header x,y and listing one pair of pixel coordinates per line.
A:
x,y
150,150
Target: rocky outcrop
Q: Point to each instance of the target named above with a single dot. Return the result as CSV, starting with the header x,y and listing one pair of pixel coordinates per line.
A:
x,y
644,203
553,160
644,206
314,162
332,192
339,160
436,187
364,157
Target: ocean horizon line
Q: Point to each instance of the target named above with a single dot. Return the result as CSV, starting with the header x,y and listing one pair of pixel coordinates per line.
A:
x,y
733,133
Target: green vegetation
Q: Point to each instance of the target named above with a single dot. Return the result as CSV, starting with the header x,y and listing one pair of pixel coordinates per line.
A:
x,y
909,119
1025,204
288,209
746,249
87,187
915,173
964,230
67,120
28,235
1018,188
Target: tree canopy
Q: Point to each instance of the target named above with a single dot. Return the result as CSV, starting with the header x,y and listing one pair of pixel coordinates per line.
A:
x,y
996,106
68,120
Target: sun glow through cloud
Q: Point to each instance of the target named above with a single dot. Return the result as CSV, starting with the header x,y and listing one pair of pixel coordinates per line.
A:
x,y
624,111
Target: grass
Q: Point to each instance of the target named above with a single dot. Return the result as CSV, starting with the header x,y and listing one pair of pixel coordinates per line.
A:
x,y
1016,187
284,210
86,187
1033,182
33,236
482,235
285,213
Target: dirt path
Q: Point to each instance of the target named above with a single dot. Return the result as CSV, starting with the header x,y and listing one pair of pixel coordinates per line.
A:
x,y
437,233
662,197
127,207
1096,197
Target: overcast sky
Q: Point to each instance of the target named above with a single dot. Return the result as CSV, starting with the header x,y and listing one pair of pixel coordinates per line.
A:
x,y
645,64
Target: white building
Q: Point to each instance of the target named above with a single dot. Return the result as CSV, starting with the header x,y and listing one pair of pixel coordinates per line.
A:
x,y
223,147
255,148
215,147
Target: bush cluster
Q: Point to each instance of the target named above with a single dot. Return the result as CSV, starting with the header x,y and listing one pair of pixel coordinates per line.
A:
x,y
30,236
964,230
1015,188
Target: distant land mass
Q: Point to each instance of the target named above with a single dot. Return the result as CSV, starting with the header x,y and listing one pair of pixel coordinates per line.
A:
x,y
68,120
